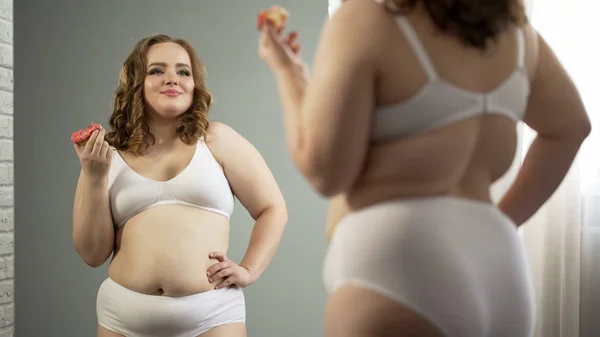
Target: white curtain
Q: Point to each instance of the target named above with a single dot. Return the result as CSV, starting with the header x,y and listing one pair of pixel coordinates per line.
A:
x,y
563,238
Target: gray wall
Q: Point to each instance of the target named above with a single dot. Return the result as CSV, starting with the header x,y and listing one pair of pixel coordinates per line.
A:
x,y
69,55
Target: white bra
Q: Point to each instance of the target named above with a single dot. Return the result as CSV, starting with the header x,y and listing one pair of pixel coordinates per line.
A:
x,y
439,103
202,184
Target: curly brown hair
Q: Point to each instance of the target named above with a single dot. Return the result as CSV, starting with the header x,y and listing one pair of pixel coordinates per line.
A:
x,y
476,22
129,129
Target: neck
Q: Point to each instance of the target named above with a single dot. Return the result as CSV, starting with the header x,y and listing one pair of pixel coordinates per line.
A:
x,y
164,131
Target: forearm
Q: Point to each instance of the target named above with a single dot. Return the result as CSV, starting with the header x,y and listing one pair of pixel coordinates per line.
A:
x,y
93,233
544,168
291,84
264,241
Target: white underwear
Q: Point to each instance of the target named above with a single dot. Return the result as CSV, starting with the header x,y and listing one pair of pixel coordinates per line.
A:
x,y
457,263
133,314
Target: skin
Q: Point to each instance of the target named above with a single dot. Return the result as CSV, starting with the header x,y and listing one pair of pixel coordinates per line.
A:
x,y
144,258
362,62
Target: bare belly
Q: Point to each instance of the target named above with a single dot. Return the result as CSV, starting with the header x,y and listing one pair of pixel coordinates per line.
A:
x,y
164,250
462,160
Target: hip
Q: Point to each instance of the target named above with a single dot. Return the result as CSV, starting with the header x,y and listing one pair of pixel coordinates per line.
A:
x,y
470,236
131,313
450,259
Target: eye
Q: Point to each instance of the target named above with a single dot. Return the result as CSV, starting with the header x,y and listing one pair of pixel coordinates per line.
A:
x,y
184,73
155,71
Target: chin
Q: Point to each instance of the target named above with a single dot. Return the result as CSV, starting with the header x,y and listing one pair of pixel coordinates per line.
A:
x,y
170,112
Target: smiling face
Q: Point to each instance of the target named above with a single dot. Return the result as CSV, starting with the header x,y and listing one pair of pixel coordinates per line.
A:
x,y
161,83
169,81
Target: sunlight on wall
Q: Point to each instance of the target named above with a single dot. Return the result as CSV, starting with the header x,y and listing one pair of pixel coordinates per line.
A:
x,y
570,28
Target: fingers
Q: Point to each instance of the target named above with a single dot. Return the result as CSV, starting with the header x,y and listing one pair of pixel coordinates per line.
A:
x,y
296,47
223,273
271,32
90,143
260,20
78,149
292,43
220,256
94,143
272,36
224,270
226,283
97,143
291,37
217,267
109,153
104,149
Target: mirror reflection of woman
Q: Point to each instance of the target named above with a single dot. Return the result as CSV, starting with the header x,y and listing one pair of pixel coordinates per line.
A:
x,y
157,190
406,120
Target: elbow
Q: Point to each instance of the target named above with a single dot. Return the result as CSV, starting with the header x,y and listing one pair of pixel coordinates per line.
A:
x,y
93,260
281,213
94,263
577,132
325,183
325,174
325,187
318,179
93,257
276,212
586,129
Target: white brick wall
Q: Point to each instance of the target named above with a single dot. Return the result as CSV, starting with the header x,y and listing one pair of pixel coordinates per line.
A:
x,y
7,309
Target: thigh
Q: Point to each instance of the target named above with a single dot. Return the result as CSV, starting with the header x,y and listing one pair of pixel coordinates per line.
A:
x,y
353,311
227,330
104,332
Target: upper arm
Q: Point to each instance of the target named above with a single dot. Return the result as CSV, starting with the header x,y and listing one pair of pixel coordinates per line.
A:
x,y
339,98
555,108
247,172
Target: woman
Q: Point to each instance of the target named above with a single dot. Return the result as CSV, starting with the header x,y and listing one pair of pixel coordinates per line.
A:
x,y
408,118
166,178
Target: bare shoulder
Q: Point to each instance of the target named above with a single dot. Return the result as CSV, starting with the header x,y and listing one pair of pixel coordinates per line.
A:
x,y
359,28
366,7
221,139
360,14
216,130
363,17
531,49
216,138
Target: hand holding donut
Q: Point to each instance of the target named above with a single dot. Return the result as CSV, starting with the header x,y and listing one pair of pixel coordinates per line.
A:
x,y
95,155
